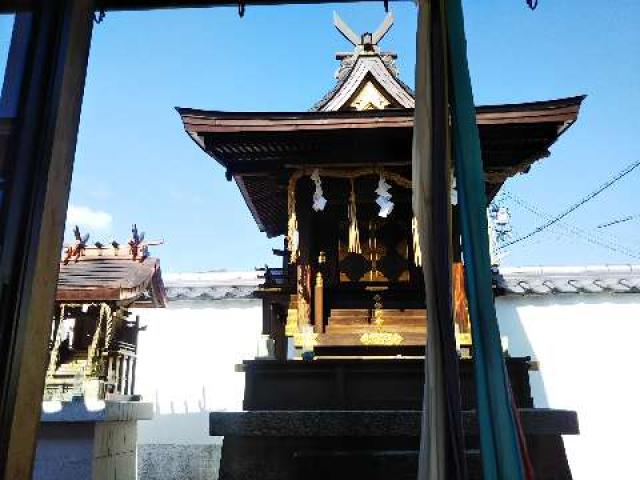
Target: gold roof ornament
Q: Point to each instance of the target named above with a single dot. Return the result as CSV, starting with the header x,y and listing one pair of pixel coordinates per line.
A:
x,y
369,98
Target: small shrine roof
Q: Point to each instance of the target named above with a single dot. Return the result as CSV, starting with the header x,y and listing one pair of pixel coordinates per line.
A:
x,y
100,275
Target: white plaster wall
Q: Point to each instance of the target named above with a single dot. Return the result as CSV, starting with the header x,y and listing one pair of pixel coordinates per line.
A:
x,y
186,360
585,345
588,353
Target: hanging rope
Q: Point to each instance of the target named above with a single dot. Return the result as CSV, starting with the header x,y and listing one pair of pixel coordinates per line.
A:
x,y
293,236
55,351
241,8
92,354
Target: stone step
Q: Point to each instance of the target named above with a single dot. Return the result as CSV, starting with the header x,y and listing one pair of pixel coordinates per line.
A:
x,y
371,463
71,369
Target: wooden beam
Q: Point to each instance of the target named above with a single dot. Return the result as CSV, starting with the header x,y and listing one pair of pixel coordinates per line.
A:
x,y
43,153
11,6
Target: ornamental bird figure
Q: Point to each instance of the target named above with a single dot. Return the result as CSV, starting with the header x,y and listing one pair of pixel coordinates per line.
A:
x,y
76,250
136,245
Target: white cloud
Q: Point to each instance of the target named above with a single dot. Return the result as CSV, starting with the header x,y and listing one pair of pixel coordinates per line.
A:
x,y
87,217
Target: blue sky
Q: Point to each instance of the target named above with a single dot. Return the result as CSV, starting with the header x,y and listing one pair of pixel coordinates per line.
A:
x,y
134,163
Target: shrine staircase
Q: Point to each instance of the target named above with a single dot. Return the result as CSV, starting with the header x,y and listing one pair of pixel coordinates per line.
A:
x,y
345,327
361,321
62,382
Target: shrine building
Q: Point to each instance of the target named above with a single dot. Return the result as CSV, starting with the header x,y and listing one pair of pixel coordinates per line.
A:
x,y
349,297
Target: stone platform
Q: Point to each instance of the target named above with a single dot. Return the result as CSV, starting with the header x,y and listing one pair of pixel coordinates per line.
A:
x,y
92,440
392,383
376,444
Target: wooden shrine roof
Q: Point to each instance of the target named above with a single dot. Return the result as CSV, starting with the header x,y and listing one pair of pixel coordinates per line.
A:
x,y
113,278
258,149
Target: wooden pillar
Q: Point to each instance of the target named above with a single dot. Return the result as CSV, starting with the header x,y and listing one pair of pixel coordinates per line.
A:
x,y
134,360
120,373
134,364
127,373
110,370
304,263
279,315
41,152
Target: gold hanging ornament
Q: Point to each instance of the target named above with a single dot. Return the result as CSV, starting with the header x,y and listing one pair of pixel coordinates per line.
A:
x,y
354,233
417,253
293,236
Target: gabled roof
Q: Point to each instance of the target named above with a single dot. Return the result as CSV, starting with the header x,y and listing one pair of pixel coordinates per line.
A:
x,y
257,148
104,277
354,75
365,120
366,71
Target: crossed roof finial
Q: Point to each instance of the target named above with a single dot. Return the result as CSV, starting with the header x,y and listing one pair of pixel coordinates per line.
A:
x,y
367,41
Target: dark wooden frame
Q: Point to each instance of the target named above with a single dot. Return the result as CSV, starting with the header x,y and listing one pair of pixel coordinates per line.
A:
x,y
49,62
52,49
47,68
9,6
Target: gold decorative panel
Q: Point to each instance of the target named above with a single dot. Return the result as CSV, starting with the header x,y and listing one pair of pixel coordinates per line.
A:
x,y
369,98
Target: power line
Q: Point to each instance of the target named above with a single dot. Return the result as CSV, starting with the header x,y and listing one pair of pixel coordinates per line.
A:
x,y
619,220
578,204
592,238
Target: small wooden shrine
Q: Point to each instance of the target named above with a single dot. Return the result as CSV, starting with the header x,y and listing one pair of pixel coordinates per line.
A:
x,y
93,339
336,182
